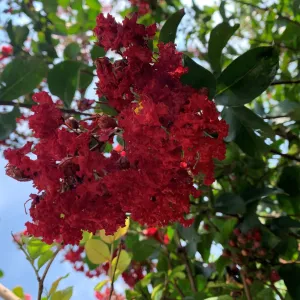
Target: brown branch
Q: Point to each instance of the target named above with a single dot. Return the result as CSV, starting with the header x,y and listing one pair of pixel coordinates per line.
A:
x,y
64,110
246,287
285,82
182,250
114,272
288,156
41,281
7,294
277,291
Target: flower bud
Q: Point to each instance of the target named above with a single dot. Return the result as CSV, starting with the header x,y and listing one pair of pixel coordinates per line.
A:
x,y
72,123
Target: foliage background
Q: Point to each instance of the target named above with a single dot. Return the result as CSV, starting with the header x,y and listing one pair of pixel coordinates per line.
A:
x,y
261,167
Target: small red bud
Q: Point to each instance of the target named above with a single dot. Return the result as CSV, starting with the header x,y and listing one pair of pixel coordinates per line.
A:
x,y
206,227
72,123
226,253
274,276
245,252
249,280
237,231
232,243
256,235
242,239
256,245
261,252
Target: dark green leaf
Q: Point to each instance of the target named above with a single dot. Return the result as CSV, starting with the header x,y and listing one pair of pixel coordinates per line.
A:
x,y
168,31
72,51
289,180
221,263
97,52
141,250
17,35
252,194
1,274
8,123
288,249
219,37
50,6
242,134
63,80
198,77
86,77
21,76
229,203
108,110
247,76
290,273
285,223
204,246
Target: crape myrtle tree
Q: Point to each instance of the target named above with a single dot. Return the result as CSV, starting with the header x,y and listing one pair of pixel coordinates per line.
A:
x,y
162,141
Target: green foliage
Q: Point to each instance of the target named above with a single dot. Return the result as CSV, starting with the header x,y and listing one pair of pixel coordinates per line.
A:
x,y
21,76
258,183
247,76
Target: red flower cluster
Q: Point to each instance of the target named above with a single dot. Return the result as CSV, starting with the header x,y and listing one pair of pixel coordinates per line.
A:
x,y
142,5
157,234
167,128
6,51
106,295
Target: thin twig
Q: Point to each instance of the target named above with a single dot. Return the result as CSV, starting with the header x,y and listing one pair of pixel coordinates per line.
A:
x,y
246,287
114,272
186,262
288,156
285,82
277,291
64,110
41,282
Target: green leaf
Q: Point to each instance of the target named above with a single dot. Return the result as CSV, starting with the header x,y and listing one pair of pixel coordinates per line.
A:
x,y
36,247
229,203
219,37
123,262
44,258
285,223
64,3
221,263
97,52
8,123
288,249
63,80
93,4
204,246
289,180
169,29
86,77
55,284
290,273
252,194
223,297
1,274
198,77
141,250
97,251
100,285
157,292
18,291
247,76
72,51
242,134
17,35
50,6
65,294
21,76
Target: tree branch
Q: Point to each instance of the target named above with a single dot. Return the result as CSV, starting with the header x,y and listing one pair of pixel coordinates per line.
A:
x,y
7,294
42,279
246,287
285,82
114,272
288,156
64,110
277,291
186,262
